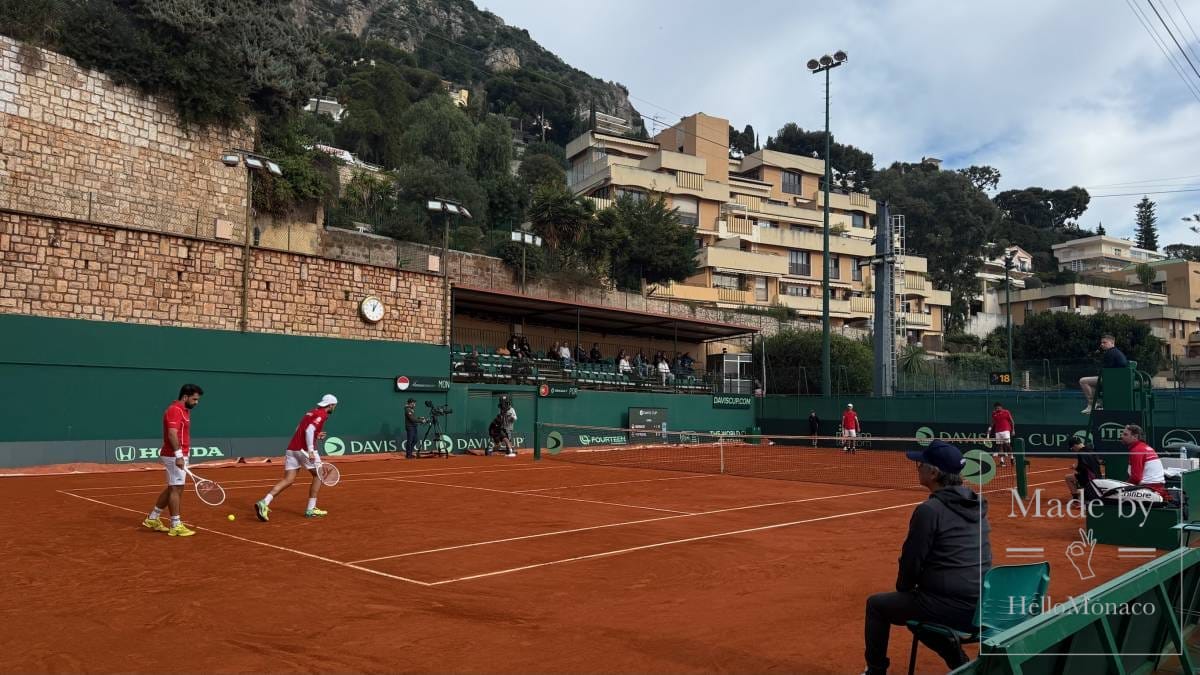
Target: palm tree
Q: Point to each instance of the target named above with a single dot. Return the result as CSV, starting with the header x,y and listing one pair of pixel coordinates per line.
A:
x,y
559,216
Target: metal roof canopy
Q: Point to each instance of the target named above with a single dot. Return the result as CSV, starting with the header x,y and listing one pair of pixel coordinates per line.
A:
x,y
593,318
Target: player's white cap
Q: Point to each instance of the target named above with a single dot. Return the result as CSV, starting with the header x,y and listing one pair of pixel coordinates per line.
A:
x,y
848,405
327,400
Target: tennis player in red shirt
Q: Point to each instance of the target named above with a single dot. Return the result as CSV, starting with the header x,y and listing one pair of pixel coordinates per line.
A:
x,y
1002,428
177,440
850,428
1145,468
302,452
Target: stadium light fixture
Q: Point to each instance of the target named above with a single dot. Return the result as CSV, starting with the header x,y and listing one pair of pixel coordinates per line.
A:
x,y
447,207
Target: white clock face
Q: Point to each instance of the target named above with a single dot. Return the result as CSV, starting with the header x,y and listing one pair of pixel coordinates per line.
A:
x,y
372,309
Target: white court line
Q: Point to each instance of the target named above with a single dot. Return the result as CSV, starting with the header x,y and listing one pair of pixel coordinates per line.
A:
x,y
526,494
644,547
350,477
263,543
622,482
621,524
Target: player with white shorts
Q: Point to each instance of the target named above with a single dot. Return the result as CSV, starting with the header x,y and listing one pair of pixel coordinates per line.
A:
x,y
302,453
850,427
177,440
1002,429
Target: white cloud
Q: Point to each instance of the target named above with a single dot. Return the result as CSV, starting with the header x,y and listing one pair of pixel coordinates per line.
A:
x,y
1052,94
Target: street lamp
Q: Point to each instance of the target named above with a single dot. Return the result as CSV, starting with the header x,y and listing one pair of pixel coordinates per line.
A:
x,y
254,163
1008,266
525,238
824,65
448,207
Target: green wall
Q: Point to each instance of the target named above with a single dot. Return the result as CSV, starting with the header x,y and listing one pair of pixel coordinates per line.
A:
x,y
67,379
90,391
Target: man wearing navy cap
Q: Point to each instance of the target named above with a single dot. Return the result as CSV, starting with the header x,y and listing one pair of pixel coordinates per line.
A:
x,y
944,557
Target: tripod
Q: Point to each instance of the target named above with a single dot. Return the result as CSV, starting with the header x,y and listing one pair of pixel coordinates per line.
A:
x,y
434,428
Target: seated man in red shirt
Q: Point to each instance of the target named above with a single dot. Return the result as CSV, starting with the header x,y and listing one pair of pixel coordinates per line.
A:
x,y
1145,468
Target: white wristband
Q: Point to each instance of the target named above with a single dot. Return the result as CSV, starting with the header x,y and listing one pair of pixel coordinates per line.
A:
x,y
179,452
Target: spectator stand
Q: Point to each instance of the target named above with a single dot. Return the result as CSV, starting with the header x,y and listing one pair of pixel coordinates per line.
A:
x,y
483,355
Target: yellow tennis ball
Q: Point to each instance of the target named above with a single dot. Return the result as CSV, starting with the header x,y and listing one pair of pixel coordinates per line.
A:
x,y
231,516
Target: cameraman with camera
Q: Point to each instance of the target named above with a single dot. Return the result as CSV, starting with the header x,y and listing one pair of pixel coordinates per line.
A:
x,y
412,425
436,413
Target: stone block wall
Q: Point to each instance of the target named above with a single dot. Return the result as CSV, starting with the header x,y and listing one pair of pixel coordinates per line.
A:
x,y
75,144
60,268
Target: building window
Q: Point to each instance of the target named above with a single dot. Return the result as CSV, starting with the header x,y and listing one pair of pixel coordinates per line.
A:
x,y
636,195
688,209
791,182
760,289
855,270
796,290
858,220
1076,265
835,267
727,281
799,263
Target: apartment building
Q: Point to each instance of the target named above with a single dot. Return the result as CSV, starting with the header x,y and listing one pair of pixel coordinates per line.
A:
x,y
758,223
1179,280
991,278
1101,253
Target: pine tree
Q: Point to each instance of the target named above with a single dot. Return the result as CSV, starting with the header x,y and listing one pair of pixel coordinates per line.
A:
x,y
1147,225
1100,230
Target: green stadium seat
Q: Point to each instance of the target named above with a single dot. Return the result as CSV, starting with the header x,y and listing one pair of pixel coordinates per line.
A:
x,y
1010,594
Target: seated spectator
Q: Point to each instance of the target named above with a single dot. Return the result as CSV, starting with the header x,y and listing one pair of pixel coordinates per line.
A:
x,y
664,370
1145,468
514,345
526,350
946,553
595,353
623,364
1087,469
564,353
687,363
580,355
471,364
639,362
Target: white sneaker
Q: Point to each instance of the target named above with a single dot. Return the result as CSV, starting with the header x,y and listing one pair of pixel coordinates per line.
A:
x,y
1086,411
511,454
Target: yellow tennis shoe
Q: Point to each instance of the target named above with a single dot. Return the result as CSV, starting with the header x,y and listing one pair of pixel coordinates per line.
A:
x,y
180,530
154,524
315,513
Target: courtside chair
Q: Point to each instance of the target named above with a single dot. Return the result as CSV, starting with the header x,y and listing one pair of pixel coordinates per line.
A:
x,y
1005,588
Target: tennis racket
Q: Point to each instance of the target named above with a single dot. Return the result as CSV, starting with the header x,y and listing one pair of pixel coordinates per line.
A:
x,y
209,492
329,474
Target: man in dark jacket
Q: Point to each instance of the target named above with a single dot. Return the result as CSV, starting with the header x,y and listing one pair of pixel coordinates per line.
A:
x,y
1087,469
1111,357
412,424
944,557
814,426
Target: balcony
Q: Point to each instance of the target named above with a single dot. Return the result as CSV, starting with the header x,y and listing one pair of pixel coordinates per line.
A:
x,y
703,294
862,305
600,203
917,319
813,241
855,201
812,306
737,260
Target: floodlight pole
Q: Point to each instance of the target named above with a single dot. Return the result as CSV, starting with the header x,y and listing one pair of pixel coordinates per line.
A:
x,y
1008,261
826,64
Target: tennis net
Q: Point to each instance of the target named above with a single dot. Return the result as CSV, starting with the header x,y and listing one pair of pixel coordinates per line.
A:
x,y
869,461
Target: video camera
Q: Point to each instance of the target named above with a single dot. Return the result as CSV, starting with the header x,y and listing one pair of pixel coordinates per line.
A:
x,y
438,410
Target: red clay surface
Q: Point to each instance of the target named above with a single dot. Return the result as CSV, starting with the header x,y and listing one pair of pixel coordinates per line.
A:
x,y
473,564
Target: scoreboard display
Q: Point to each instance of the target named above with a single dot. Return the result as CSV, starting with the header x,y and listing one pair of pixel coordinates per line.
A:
x,y
1000,378
644,421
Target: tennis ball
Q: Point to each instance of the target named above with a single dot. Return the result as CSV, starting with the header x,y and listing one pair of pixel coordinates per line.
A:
x,y
231,516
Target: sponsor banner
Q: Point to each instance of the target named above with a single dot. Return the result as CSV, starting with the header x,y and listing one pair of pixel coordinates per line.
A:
x,y
732,401
558,391
407,383
147,450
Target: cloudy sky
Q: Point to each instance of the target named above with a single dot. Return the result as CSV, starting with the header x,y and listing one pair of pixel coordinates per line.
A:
x,y
1053,94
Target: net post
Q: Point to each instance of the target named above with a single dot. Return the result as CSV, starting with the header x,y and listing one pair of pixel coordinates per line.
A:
x,y
721,451
1019,462
537,441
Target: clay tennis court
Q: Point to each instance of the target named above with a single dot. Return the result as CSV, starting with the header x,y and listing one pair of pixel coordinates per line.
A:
x,y
472,564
